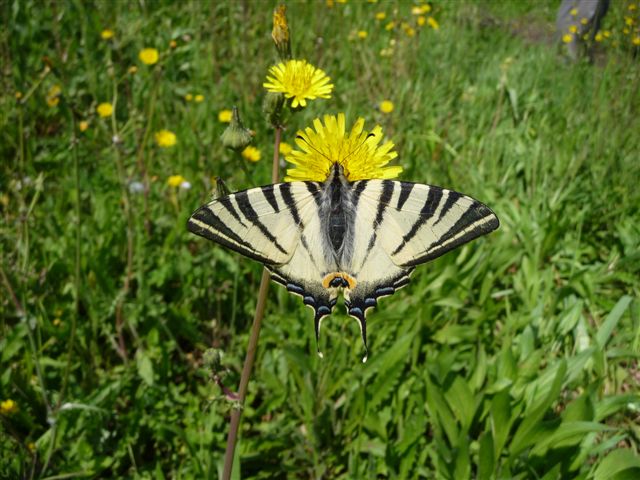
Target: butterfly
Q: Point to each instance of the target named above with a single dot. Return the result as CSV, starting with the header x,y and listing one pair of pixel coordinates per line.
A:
x,y
363,237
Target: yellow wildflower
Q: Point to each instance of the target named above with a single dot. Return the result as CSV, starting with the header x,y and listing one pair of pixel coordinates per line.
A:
x,y
422,20
626,31
573,12
176,180
251,153
83,126
149,56
165,138
573,29
199,98
298,80
133,70
330,3
56,322
280,32
104,109
606,34
285,148
421,9
53,95
381,16
18,95
106,34
362,34
598,37
584,21
636,41
632,7
173,44
433,23
567,38
359,152
410,31
8,407
629,21
225,116
386,106
390,26
188,97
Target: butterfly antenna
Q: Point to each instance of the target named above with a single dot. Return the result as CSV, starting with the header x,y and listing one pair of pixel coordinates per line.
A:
x,y
300,137
355,150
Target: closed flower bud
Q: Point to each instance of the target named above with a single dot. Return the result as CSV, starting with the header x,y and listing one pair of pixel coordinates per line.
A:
x,y
280,33
235,136
272,108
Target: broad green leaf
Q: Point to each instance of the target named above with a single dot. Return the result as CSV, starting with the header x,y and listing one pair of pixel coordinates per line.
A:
x,y
618,462
501,421
567,434
615,403
461,401
486,456
523,435
145,367
462,468
607,327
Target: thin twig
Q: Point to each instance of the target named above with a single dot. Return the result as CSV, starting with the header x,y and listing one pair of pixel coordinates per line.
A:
x,y
253,340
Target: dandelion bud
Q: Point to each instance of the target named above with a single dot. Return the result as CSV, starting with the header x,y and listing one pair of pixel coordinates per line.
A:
x,y
280,33
272,108
236,137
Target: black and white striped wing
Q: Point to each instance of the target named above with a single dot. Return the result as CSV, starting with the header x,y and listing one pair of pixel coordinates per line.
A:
x,y
279,226
261,223
400,225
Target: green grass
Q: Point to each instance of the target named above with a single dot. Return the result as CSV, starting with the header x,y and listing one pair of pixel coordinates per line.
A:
x,y
513,357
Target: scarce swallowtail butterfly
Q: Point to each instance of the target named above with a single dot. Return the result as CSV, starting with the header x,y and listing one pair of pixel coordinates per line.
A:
x,y
363,237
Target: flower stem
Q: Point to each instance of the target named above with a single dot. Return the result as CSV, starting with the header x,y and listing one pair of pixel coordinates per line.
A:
x,y
253,340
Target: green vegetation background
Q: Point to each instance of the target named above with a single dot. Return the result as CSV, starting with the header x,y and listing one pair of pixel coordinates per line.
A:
x,y
513,357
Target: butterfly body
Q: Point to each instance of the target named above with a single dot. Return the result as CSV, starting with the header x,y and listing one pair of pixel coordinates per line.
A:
x,y
363,237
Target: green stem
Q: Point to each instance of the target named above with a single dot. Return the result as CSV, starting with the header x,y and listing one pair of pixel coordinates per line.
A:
x,y
253,340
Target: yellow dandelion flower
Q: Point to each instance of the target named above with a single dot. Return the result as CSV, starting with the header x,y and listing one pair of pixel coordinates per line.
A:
x,y
584,21
133,70
421,9
149,56
390,26
598,37
53,95
567,38
165,138
8,407
285,148
199,98
410,31
573,12
251,153
188,97
362,34
298,80
422,20
381,16
606,34
83,126
629,21
175,180
386,106
632,7
636,41
330,3
573,29
359,152
626,31
224,116
106,34
433,23
104,109
341,1
18,95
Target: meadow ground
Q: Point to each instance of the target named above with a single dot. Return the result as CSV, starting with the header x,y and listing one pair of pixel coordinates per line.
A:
x,y
513,357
